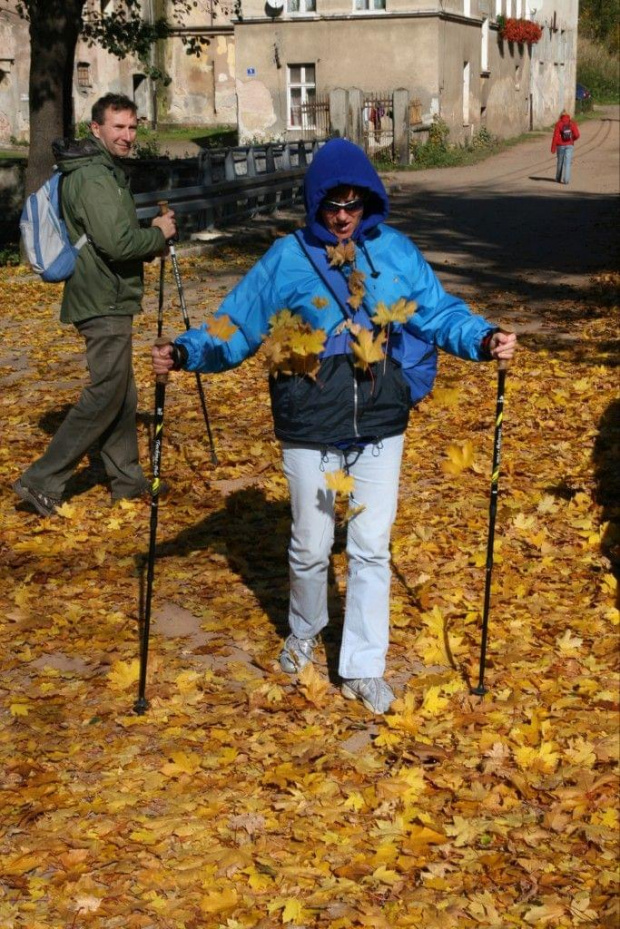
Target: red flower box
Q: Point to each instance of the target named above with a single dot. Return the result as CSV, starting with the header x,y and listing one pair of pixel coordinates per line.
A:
x,y
522,31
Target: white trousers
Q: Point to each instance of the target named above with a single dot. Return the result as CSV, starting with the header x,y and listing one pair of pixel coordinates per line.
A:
x,y
376,471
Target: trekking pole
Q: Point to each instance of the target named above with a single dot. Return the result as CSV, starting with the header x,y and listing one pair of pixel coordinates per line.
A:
x,y
163,205
160,305
141,703
502,368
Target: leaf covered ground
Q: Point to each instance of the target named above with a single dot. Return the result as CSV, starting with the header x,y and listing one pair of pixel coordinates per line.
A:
x,y
242,798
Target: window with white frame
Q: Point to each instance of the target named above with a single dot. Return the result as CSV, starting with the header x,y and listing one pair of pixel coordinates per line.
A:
x,y
300,6
369,5
498,7
466,7
301,93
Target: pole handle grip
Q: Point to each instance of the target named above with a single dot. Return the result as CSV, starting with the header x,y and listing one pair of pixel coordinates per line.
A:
x,y
503,365
163,206
160,342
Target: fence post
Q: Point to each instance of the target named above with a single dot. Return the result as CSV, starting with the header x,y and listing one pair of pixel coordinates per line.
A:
x,y
229,165
207,219
338,112
355,122
400,108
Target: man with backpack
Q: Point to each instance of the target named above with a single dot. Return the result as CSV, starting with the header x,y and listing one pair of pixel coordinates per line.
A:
x,y
565,134
100,298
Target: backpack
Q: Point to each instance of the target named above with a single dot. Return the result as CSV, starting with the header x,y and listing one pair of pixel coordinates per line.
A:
x,y
566,133
44,233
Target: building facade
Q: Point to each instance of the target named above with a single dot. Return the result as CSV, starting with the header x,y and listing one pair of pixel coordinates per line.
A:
x,y
289,69
449,56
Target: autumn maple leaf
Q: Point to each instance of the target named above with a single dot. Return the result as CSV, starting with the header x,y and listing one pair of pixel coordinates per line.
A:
x,y
340,482
313,686
221,327
461,457
398,312
309,342
320,302
343,253
368,348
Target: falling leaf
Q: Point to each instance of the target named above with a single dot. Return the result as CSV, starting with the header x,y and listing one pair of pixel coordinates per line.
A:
x,y
399,312
341,254
368,348
340,482
320,302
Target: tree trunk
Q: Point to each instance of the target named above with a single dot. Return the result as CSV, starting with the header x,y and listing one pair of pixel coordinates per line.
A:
x,y
54,29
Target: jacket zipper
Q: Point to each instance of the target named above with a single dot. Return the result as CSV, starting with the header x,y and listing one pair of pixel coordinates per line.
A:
x,y
355,429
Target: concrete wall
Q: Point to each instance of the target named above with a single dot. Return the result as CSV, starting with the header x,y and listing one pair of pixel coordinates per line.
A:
x,y
14,70
202,91
554,62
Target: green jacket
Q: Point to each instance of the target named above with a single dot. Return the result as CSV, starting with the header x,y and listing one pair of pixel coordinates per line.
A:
x,y
96,200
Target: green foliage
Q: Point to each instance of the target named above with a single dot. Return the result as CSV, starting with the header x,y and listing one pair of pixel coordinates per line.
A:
x,y
597,68
147,144
438,152
598,20
9,256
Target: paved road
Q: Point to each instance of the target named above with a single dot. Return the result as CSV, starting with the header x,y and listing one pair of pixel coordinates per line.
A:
x,y
505,225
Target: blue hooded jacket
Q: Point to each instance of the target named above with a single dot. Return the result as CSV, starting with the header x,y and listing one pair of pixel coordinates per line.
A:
x,y
340,163
343,403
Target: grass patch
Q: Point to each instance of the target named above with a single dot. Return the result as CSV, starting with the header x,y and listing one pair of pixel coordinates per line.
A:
x,y
438,152
12,154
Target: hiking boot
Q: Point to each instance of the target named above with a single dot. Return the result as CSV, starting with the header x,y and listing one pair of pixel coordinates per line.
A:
x,y
296,654
45,504
375,694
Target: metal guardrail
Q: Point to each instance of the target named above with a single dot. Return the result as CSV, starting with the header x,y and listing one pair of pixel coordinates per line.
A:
x,y
237,183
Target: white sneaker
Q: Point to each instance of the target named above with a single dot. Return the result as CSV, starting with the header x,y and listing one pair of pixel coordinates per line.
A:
x,y
375,694
296,654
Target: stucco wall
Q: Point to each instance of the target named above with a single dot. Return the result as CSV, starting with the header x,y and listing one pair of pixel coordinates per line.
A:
x,y
202,91
14,69
401,54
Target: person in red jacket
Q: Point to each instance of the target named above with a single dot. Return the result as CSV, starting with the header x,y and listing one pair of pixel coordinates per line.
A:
x,y
565,134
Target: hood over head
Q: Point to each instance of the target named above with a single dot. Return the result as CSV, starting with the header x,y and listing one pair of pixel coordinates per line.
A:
x,y
70,154
341,163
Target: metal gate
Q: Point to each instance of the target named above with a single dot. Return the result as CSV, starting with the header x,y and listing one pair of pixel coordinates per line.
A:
x,y
314,118
378,126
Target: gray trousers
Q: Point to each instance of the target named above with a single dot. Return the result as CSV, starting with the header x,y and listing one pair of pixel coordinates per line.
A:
x,y
105,414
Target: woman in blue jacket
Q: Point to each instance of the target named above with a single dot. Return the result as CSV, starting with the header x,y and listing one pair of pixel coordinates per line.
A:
x,y
350,316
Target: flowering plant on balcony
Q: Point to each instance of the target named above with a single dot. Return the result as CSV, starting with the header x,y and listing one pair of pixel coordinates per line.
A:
x,y
522,31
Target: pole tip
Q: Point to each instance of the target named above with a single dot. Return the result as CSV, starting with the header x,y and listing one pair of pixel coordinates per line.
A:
x,y
141,706
480,690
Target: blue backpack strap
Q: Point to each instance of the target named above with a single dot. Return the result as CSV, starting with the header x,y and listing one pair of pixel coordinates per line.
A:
x,y
418,359
335,282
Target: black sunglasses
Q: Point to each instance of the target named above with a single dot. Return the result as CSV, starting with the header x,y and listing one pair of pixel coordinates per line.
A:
x,y
351,206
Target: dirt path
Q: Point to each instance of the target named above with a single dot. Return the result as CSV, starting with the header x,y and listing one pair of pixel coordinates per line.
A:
x,y
506,225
